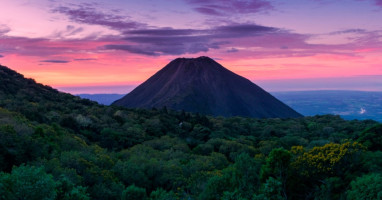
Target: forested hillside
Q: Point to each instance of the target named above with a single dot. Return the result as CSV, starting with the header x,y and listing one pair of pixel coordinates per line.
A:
x,y
58,146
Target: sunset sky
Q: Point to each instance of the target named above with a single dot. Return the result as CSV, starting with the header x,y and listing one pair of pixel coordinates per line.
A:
x,y
110,46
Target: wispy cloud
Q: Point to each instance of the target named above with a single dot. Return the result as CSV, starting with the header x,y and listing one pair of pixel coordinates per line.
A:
x,y
55,61
1,56
227,7
84,59
68,32
232,50
87,14
144,50
46,48
357,30
4,29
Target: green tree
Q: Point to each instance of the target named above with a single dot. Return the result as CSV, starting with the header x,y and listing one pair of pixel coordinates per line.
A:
x,y
134,193
27,182
246,175
161,194
277,166
367,187
239,180
66,190
216,186
272,190
372,138
331,188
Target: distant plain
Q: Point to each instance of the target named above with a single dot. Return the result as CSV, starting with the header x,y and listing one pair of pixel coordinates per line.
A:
x,y
348,104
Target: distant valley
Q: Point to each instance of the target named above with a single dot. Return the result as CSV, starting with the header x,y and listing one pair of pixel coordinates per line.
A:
x,y
104,99
348,104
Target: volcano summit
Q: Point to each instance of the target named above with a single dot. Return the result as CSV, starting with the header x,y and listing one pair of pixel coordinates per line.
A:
x,y
203,85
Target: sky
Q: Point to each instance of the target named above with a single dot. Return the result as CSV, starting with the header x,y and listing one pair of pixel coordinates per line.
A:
x,y
111,46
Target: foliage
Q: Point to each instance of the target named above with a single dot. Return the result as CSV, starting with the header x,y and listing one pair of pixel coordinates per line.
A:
x,y
133,192
27,182
272,190
372,138
330,159
161,194
366,187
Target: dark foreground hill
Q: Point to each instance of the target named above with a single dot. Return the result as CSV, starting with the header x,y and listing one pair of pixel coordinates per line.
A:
x,y
204,86
58,146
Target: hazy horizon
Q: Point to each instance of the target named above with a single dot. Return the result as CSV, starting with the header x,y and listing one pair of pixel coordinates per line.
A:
x,y
373,84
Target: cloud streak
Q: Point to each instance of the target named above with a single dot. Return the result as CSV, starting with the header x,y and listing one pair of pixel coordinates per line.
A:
x,y
55,61
86,14
4,29
227,7
84,59
357,30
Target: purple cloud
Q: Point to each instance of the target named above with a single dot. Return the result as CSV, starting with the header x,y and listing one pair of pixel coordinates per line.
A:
x,y
69,31
46,48
164,32
30,46
4,29
169,41
276,42
242,30
87,14
134,49
232,50
55,61
378,2
208,11
1,56
226,7
348,31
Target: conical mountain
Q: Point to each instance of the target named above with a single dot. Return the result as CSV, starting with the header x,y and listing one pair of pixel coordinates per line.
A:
x,y
204,86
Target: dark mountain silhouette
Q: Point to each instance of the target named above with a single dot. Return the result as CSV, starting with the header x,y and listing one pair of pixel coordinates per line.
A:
x,y
203,85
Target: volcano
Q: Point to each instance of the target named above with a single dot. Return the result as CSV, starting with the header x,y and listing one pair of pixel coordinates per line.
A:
x,y
202,85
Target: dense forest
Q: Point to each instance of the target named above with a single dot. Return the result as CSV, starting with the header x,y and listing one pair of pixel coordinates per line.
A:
x,y
57,146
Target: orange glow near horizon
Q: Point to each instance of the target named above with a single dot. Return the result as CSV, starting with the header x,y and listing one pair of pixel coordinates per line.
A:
x,y
122,70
